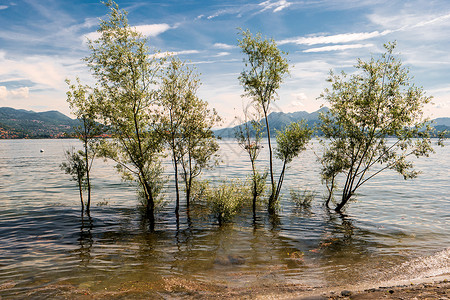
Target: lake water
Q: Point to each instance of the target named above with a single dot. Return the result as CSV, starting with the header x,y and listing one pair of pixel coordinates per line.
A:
x,y
396,230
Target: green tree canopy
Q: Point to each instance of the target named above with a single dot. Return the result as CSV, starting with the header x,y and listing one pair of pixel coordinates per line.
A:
x,y
378,101
127,74
265,69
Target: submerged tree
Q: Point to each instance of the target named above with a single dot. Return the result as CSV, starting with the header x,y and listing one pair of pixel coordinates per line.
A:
x,y
249,137
127,74
377,102
82,101
199,146
185,123
290,142
75,166
265,68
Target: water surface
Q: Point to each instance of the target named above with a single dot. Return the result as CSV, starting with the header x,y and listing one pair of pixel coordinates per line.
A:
x,y
396,230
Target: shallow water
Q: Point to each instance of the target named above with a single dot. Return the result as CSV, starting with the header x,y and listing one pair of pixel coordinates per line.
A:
x,y
396,229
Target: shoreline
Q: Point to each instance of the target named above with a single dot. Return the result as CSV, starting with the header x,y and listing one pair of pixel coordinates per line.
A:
x,y
437,287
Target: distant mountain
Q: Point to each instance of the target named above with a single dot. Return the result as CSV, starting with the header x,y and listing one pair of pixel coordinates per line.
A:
x,y
277,121
20,123
442,121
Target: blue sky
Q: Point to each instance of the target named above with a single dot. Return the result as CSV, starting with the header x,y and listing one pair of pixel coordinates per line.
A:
x,y
42,43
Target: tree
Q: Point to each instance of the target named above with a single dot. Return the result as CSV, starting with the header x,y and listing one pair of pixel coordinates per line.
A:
x,y
377,102
265,69
249,137
178,102
199,145
76,166
81,100
290,142
126,74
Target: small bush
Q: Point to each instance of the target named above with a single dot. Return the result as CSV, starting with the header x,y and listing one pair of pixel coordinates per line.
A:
x,y
227,199
223,201
302,200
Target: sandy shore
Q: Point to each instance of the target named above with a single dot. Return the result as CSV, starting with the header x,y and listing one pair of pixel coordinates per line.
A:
x,y
177,288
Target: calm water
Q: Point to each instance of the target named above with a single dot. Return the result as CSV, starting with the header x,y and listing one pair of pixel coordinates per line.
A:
x,y
396,230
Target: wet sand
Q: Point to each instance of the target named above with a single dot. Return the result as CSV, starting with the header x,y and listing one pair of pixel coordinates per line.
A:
x,y
178,288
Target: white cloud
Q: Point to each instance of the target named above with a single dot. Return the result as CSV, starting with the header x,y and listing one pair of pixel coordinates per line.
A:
x,y
276,6
300,99
3,92
338,47
175,53
3,7
223,46
334,39
222,54
150,30
91,36
216,14
22,92
19,93
153,30
89,22
405,20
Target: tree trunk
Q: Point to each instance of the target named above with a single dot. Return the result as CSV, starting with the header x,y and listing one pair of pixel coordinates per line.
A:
x,y
255,190
344,201
88,181
175,166
272,199
188,192
150,209
280,183
330,193
80,188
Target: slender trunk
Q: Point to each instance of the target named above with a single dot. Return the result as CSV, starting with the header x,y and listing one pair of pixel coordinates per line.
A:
x,y
88,181
80,188
150,208
280,182
330,193
343,202
188,192
189,178
255,190
175,165
272,181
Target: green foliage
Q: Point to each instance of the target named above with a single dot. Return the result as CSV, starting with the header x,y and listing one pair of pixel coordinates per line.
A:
x,y
302,200
227,199
185,123
126,74
223,201
249,136
82,101
257,182
376,102
265,68
290,142
75,166
199,146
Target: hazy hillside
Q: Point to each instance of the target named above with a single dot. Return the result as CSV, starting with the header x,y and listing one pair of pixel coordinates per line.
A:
x,y
20,123
277,121
442,121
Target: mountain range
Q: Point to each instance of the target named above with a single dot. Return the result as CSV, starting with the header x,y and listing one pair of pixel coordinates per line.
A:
x,y
279,120
19,123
